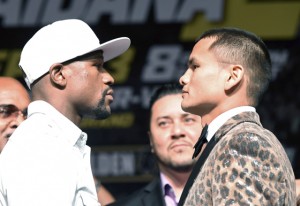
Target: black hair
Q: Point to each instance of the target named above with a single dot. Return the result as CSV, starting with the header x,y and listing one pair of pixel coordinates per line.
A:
x,y
237,46
164,90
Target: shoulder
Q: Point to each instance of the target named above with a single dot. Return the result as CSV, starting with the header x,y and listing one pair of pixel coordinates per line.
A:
x,y
251,140
251,157
252,143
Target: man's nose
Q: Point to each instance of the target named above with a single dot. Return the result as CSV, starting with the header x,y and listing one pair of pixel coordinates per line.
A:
x,y
177,130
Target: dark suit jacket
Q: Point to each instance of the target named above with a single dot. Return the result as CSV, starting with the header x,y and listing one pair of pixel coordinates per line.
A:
x,y
247,166
150,195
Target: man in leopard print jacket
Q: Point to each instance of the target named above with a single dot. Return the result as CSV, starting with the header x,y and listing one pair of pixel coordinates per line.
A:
x,y
229,69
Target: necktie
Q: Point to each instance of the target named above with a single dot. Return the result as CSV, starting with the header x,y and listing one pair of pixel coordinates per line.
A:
x,y
202,139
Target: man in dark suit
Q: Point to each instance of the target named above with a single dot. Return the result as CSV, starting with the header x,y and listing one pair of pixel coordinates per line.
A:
x,y
243,163
173,134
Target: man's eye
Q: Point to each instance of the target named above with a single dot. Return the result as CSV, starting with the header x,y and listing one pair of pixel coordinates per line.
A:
x,y
163,124
189,120
195,67
98,65
5,113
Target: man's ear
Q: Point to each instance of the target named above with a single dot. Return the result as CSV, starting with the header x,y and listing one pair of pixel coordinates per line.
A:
x,y
235,76
57,76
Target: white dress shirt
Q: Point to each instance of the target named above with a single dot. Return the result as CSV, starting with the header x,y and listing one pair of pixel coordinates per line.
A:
x,y
222,118
46,162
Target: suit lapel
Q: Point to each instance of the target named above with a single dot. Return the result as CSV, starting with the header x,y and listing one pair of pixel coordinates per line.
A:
x,y
154,195
236,120
196,170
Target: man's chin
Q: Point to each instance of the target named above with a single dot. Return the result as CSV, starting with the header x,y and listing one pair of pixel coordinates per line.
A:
x,y
98,114
189,108
103,116
183,167
184,106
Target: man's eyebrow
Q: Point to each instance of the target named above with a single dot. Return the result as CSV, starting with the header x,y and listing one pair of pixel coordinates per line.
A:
x,y
186,114
163,117
191,61
8,105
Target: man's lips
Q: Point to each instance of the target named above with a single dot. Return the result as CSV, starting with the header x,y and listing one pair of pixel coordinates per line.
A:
x,y
184,92
180,144
109,94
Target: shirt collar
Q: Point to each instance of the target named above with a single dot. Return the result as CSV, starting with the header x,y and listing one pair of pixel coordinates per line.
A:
x,y
71,131
222,118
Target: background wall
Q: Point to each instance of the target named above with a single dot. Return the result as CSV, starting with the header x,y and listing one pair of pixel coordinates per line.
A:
x,y
162,34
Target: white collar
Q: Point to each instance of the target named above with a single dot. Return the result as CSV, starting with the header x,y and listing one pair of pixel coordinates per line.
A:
x,y
72,131
222,118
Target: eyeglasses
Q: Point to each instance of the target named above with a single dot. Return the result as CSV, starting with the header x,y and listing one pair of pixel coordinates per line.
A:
x,y
9,111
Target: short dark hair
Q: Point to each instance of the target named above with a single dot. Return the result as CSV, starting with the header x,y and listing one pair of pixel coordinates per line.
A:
x,y
237,46
164,90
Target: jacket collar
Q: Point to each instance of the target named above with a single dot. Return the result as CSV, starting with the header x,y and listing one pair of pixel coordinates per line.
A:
x,y
235,120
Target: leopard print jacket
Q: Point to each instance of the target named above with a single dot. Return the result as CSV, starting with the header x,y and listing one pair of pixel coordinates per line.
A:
x,y
248,166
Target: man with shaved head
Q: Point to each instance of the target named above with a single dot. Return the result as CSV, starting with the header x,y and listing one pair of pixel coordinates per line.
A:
x,y
14,100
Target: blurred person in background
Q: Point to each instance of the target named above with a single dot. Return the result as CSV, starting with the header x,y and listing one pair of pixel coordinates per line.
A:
x,y
14,100
172,134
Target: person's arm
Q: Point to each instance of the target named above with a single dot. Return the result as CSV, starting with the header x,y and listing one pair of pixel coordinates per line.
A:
x,y
104,196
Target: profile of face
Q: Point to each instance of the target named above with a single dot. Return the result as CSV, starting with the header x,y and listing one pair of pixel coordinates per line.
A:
x,y
203,81
173,133
14,100
90,86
